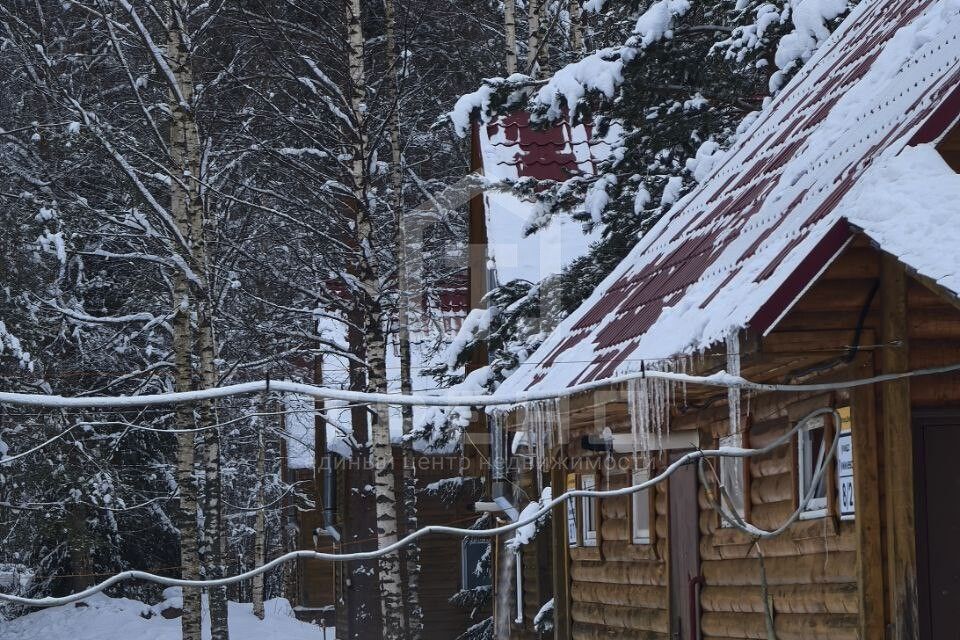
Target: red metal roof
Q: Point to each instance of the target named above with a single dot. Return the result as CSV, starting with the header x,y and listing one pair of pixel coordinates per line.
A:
x,y
531,151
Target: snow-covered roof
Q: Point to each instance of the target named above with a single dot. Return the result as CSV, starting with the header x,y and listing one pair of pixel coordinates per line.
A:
x,y
510,149
834,146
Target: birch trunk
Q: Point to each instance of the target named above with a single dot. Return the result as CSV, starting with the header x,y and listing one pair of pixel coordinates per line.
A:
x,y
576,27
545,24
212,552
183,150
510,28
187,204
533,35
259,548
381,452
414,611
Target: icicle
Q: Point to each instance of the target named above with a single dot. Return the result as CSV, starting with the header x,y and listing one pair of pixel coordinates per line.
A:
x,y
555,427
733,393
539,419
636,393
529,419
649,401
541,422
497,453
685,362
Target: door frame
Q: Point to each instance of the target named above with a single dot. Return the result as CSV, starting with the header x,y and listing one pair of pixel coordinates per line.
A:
x,y
920,419
677,593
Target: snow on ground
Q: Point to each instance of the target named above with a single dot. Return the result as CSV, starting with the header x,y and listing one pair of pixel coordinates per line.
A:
x,y
119,619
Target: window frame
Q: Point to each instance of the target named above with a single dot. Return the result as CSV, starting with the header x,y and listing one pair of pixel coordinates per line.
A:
x,y
818,507
640,505
588,513
466,582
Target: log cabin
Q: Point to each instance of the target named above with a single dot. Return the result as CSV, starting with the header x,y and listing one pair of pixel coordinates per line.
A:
x,y
822,249
323,592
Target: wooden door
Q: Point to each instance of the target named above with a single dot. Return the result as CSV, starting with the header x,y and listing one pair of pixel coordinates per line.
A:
x,y
938,526
684,552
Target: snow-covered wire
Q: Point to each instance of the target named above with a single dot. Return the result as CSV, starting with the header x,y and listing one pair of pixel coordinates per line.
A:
x,y
720,380
533,516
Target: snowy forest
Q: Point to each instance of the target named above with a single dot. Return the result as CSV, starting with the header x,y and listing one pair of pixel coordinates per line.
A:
x,y
202,194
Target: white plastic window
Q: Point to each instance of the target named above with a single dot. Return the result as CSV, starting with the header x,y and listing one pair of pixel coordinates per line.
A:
x,y
588,512
811,451
640,510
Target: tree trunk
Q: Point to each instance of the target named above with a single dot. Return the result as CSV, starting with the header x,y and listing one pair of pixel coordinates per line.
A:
x,y
186,478
213,513
80,563
183,150
414,612
259,548
510,27
381,452
576,28
381,455
533,35
537,48
188,210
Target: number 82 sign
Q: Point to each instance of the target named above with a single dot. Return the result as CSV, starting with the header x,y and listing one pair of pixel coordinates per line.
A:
x,y
845,475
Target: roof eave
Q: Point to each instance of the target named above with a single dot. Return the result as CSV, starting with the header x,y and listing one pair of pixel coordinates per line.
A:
x,y
834,241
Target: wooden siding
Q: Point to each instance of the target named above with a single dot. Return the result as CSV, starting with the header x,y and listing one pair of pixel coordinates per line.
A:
x,y
826,577
810,568
619,589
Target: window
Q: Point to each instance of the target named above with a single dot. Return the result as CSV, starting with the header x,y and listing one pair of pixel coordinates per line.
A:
x,y
475,563
573,537
640,510
732,480
588,512
811,449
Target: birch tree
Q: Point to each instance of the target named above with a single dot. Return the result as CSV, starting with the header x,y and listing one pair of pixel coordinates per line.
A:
x,y
259,546
381,450
414,613
510,30
576,28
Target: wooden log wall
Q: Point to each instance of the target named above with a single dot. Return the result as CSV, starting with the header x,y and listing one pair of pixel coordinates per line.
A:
x,y
811,568
619,589
903,322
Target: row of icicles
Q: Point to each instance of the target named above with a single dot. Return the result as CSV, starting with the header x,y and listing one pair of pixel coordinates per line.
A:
x,y
649,402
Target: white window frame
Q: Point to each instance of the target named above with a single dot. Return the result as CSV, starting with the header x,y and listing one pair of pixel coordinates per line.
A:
x,y
572,507
817,507
640,509
732,480
588,512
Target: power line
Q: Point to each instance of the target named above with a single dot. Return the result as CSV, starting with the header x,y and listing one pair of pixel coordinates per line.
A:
x,y
719,380
689,458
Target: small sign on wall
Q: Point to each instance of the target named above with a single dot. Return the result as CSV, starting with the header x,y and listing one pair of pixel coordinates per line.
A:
x,y
845,497
572,537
